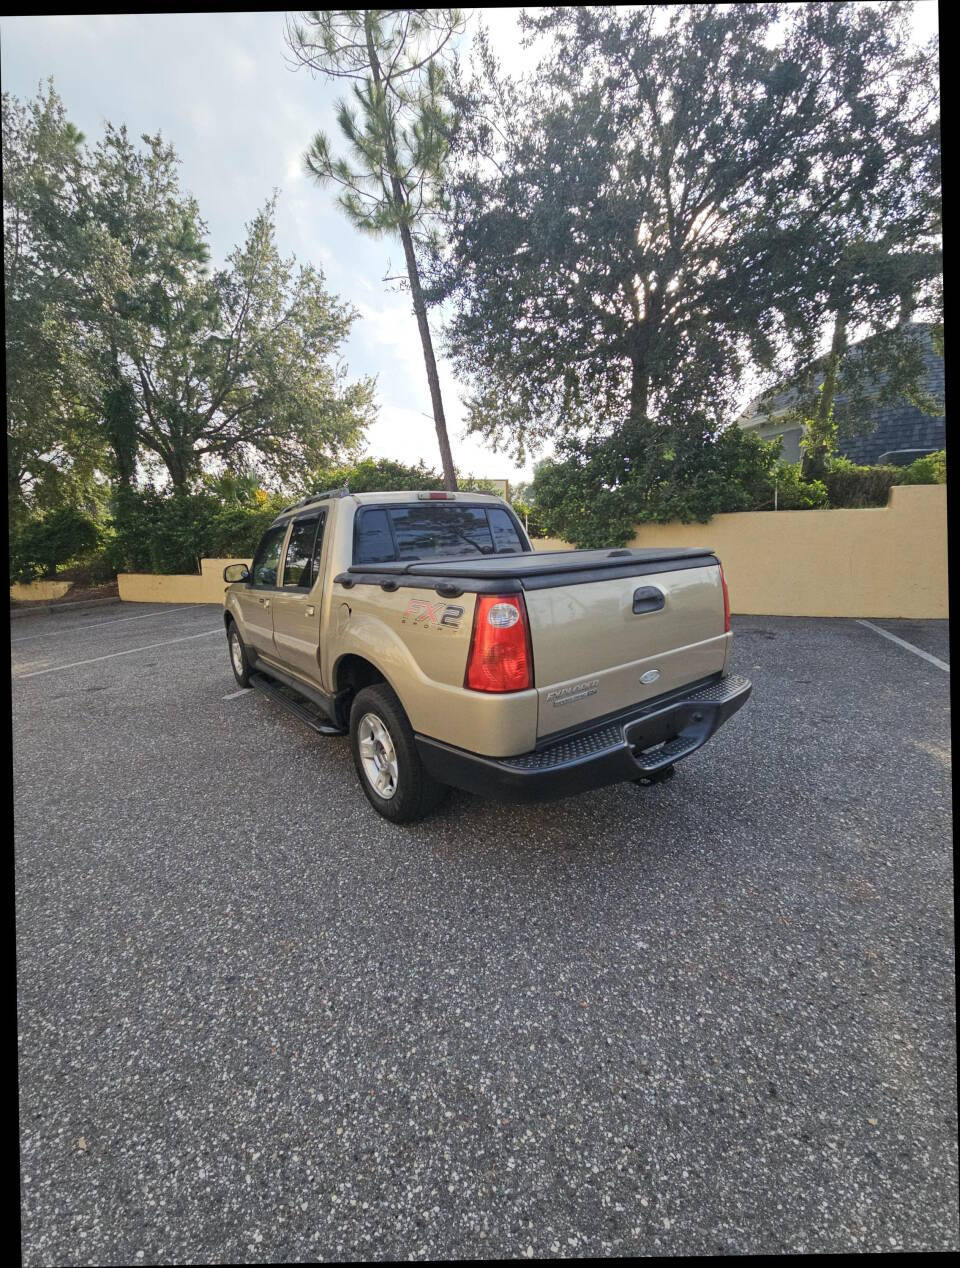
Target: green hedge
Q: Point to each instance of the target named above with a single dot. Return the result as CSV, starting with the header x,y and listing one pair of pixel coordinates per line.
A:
x,y
851,485
60,538
164,532
171,533
931,469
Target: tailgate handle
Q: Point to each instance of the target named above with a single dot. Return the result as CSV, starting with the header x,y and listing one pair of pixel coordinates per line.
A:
x,y
648,599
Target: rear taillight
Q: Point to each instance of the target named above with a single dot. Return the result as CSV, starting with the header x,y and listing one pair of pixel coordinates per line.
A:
x,y
500,656
726,602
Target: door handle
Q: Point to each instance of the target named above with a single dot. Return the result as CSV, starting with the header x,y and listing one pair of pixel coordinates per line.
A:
x,y
265,602
648,599
309,611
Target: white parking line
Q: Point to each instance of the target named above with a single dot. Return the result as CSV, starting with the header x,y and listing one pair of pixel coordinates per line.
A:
x,y
93,625
902,642
35,673
244,691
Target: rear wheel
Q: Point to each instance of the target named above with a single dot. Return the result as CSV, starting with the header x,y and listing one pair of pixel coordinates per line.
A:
x,y
238,656
385,755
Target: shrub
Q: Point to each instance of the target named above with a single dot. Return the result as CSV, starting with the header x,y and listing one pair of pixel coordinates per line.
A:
x,y
383,475
532,517
172,532
375,475
794,493
235,530
930,469
596,491
851,485
61,537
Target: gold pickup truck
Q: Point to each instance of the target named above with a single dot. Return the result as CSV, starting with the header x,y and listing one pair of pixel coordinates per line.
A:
x,y
426,627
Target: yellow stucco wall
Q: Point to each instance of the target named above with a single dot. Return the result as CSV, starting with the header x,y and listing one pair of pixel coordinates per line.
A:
x,y
43,590
885,562
879,562
147,587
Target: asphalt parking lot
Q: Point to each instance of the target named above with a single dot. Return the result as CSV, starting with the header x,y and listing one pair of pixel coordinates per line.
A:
x,y
258,1023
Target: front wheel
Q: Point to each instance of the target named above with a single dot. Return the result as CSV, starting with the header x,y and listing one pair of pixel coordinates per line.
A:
x,y
385,755
238,657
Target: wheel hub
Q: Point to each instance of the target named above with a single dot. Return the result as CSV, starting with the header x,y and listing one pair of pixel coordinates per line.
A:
x,y
378,757
236,653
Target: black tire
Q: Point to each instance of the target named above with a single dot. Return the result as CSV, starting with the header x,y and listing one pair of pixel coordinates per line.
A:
x,y
415,793
235,644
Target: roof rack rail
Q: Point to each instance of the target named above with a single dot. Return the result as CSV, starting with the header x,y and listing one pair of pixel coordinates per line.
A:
x,y
342,492
322,496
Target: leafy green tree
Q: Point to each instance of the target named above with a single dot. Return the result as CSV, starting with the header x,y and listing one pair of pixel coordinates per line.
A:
x,y
142,253
244,366
126,347
660,207
395,129
238,365
53,449
863,242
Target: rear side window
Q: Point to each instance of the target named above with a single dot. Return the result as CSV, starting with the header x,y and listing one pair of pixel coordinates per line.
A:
x,y
505,537
373,541
298,564
432,531
267,559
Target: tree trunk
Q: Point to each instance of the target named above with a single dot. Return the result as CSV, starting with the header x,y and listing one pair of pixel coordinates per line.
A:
x,y
420,308
177,469
120,414
413,273
820,439
639,392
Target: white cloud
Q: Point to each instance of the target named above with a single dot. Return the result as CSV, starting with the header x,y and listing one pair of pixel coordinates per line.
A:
x,y
294,168
243,65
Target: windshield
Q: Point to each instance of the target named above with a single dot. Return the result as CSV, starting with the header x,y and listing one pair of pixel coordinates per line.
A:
x,y
433,531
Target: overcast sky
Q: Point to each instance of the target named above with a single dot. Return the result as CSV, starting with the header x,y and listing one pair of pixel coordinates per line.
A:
x,y
218,87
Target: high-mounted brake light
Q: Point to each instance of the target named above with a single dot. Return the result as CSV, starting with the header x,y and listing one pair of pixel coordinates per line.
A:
x,y
500,658
726,602
436,497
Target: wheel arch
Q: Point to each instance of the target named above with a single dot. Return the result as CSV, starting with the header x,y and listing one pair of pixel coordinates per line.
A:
x,y
353,672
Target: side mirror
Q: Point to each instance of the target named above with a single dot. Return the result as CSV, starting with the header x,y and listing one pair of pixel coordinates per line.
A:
x,y
236,572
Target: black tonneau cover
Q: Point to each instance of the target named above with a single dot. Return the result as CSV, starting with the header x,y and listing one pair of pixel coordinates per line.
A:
x,y
541,568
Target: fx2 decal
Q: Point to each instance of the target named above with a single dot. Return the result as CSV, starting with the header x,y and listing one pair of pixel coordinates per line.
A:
x,y
432,615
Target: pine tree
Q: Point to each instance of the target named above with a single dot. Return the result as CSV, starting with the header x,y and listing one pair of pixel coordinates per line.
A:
x,y
396,130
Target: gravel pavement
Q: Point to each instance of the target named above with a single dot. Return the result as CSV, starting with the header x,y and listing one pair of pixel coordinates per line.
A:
x,y
259,1023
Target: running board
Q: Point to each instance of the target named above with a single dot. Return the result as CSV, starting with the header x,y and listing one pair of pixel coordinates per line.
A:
x,y
290,699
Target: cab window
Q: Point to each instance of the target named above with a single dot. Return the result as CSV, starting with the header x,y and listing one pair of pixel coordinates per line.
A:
x,y
433,530
266,561
301,561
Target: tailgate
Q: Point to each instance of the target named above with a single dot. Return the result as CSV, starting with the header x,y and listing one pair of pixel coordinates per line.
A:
x,y
595,642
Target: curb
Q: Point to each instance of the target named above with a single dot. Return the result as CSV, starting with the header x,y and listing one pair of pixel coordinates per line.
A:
x,y
48,609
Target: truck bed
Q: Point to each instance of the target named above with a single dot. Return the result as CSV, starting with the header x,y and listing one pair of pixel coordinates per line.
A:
x,y
609,628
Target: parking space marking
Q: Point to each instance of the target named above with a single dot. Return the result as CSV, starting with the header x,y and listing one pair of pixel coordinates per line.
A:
x,y
244,691
35,673
902,642
94,625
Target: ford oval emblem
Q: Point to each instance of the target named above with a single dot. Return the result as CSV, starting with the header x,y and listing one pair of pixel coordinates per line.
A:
x,y
650,676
